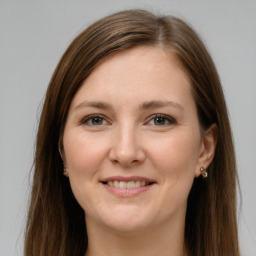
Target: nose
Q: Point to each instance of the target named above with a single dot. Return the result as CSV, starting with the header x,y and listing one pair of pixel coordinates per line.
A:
x,y
126,148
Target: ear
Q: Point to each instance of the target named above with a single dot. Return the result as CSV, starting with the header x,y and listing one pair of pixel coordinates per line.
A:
x,y
62,155
207,148
65,170
66,173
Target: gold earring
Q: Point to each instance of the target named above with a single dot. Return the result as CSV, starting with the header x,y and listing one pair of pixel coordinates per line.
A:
x,y
204,172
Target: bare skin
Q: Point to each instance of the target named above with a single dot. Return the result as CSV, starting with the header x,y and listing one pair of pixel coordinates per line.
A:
x,y
134,123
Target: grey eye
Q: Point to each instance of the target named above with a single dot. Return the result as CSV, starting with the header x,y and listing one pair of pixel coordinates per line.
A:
x,y
96,120
160,121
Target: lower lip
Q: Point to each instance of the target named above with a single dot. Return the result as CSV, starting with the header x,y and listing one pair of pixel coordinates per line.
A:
x,y
127,192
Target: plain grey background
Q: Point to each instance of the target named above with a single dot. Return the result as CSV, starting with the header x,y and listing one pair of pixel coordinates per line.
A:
x,y
33,36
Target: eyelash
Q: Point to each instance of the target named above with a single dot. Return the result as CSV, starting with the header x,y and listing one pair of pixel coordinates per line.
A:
x,y
170,120
167,118
85,121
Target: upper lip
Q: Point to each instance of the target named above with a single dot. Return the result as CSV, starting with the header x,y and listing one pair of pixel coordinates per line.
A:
x,y
130,178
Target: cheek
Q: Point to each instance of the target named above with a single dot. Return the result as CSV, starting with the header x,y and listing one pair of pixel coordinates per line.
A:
x,y
84,157
175,159
84,154
175,155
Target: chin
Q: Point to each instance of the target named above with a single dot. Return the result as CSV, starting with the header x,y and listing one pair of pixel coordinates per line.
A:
x,y
127,227
127,220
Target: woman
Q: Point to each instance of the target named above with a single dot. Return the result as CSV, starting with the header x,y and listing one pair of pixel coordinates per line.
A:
x,y
127,159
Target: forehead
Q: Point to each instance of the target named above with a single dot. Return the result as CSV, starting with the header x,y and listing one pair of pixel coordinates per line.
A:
x,y
150,73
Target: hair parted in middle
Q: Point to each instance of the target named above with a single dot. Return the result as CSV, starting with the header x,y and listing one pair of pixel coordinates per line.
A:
x,y
56,223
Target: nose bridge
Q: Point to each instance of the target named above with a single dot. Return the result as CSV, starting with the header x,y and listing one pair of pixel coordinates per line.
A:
x,y
126,148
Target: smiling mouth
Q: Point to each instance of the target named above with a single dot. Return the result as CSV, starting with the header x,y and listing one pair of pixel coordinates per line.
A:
x,y
127,187
127,184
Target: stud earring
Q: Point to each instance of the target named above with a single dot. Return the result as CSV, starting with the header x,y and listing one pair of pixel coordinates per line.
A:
x,y
204,172
65,172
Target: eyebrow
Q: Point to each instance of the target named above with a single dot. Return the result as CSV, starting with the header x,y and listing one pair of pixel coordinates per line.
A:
x,y
94,104
158,103
144,106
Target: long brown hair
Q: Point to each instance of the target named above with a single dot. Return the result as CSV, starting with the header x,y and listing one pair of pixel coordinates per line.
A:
x,y
56,223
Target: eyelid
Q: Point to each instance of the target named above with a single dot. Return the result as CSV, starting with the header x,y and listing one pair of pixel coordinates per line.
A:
x,y
170,119
85,119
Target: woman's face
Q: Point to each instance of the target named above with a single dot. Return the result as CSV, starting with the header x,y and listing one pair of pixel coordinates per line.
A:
x,y
132,143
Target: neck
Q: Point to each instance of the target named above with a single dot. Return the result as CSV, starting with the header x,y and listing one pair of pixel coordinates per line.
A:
x,y
162,241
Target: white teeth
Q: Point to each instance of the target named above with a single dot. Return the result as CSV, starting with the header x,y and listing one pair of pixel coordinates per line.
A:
x,y
129,184
137,184
122,184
